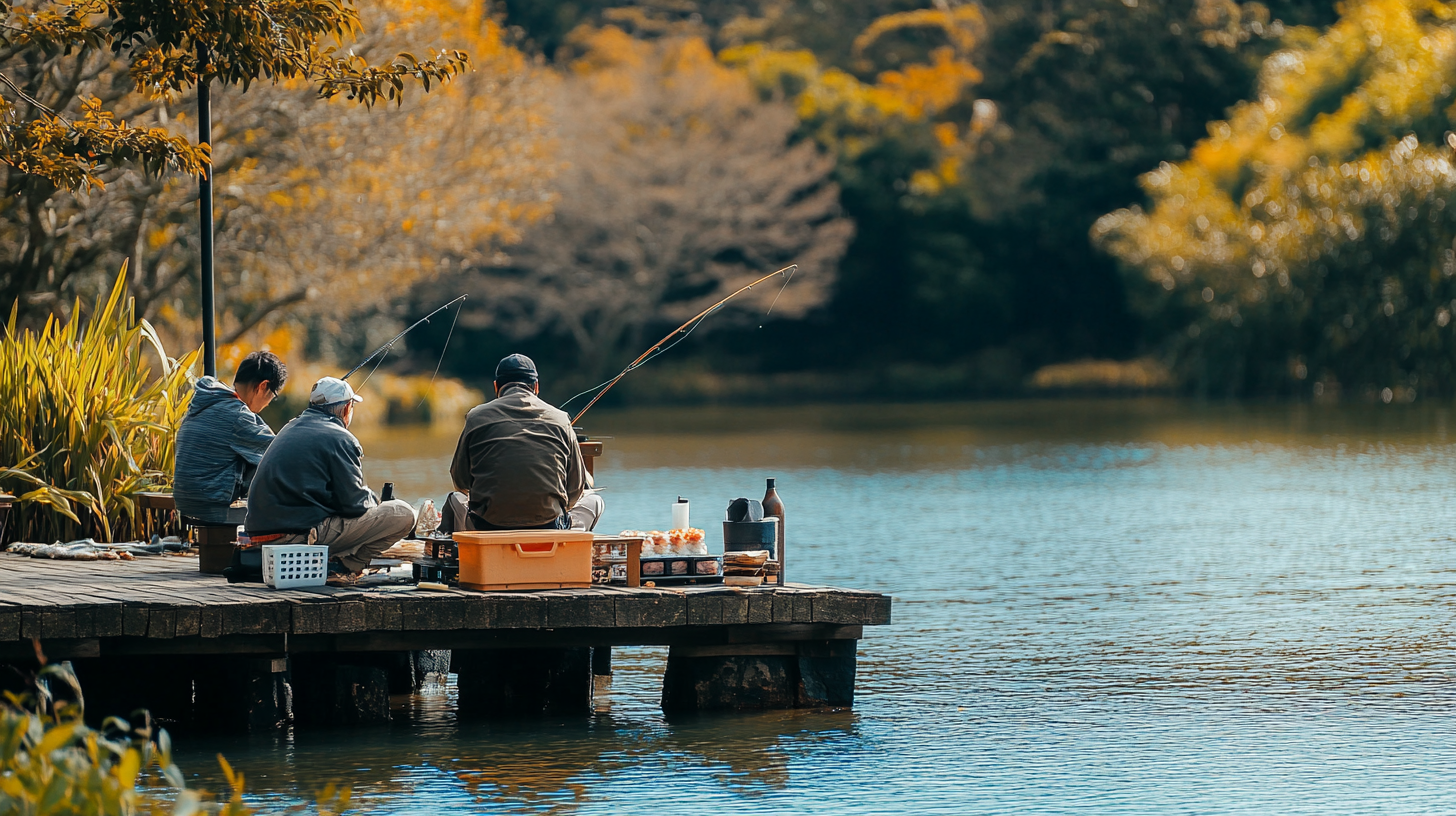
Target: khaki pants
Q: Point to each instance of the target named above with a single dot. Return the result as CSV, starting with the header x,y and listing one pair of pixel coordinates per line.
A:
x,y
357,541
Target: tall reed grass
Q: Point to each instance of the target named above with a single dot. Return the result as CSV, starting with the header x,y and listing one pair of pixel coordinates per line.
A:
x,y
85,424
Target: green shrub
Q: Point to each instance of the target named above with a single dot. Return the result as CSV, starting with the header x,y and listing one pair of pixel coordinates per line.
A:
x,y
51,763
85,426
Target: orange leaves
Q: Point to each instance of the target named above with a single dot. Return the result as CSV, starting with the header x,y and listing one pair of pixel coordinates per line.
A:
x,y
354,207
926,90
847,115
69,152
962,27
235,43
1319,209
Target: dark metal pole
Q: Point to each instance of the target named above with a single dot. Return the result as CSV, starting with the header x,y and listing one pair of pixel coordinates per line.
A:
x,y
204,214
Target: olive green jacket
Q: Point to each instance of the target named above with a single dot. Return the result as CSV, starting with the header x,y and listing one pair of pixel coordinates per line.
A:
x,y
518,460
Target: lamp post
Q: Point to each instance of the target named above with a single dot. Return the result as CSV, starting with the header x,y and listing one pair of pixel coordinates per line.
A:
x,y
204,214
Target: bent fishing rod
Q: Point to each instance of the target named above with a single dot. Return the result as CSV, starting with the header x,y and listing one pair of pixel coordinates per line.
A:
x,y
387,346
685,329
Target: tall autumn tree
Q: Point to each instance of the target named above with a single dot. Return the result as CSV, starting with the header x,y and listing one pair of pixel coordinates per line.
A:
x,y
680,187
330,210
1308,244
73,71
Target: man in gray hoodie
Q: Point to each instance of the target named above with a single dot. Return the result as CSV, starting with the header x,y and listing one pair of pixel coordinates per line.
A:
x,y
222,439
310,487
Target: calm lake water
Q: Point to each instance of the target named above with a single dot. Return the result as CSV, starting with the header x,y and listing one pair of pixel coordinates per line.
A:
x,y
1117,607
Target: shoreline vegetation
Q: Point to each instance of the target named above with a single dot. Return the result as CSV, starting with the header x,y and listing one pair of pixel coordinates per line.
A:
x,y
51,761
89,410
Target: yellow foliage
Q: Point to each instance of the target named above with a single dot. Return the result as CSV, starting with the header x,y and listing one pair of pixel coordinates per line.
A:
x,y
85,425
1323,198
363,204
928,89
841,109
962,26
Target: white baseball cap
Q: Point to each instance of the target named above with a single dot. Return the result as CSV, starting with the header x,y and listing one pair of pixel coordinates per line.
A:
x,y
331,390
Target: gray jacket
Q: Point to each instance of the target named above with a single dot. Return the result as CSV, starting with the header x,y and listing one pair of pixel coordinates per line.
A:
x,y
219,444
312,471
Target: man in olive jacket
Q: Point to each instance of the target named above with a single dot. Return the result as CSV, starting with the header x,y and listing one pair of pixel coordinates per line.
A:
x,y
310,487
519,463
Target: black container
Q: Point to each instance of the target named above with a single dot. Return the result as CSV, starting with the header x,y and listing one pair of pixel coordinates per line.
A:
x,y
739,536
387,494
682,569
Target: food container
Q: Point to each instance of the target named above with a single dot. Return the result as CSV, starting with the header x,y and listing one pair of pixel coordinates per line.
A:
x,y
609,558
524,559
683,569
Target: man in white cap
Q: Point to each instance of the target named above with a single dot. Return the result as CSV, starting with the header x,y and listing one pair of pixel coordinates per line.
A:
x,y
310,488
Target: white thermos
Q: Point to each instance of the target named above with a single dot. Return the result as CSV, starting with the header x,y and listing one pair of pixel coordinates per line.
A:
x,y
680,514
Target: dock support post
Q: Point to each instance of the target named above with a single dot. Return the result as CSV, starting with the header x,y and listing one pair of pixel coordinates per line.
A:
x,y
602,661
117,686
406,671
515,683
243,693
340,689
742,677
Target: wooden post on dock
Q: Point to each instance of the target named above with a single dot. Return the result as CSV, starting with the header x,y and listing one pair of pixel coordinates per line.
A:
x,y
340,689
810,674
514,683
242,693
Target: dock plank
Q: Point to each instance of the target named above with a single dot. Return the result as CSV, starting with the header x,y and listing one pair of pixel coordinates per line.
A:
x,y
163,605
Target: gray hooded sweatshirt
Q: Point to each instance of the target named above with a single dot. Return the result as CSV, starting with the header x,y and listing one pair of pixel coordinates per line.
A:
x,y
219,444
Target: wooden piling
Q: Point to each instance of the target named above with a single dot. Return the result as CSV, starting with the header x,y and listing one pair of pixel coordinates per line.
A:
x,y
339,689
242,693
759,676
519,683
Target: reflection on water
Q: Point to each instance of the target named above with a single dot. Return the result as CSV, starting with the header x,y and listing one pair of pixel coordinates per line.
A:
x,y
1101,607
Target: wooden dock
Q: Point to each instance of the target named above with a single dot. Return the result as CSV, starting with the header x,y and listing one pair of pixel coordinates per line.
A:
x,y
762,647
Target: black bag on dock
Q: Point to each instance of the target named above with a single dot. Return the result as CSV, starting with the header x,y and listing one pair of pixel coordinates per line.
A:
x,y
247,566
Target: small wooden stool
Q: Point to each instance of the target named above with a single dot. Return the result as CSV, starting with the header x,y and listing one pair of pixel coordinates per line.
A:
x,y
158,515
215,542
6,500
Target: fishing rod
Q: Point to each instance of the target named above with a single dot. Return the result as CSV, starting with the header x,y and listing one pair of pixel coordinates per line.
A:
x,y
685,329
385,348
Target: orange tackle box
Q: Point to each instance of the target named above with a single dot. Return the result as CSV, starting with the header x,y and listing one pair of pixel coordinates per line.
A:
x,y
524,559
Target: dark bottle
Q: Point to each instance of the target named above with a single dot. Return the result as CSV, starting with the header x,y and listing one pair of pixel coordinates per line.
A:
x,y
774,506
388,493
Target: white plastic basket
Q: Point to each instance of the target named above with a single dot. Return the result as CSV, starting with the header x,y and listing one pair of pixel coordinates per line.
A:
x,y
295,565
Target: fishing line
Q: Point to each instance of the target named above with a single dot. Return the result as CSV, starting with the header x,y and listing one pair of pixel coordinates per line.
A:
x,y
787,278
663,345
441,361
387,346
658,353
375,368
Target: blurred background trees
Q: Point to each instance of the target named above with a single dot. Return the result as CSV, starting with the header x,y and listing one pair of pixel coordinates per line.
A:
x,y
679,188
1251,194
1306,243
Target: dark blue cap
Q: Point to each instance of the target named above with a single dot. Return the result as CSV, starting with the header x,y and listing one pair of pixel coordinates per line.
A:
x,y
516,368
